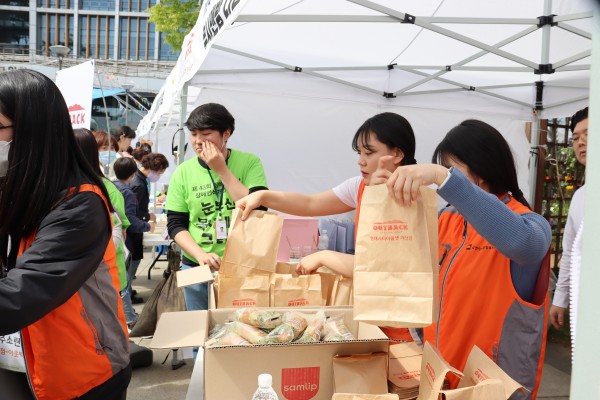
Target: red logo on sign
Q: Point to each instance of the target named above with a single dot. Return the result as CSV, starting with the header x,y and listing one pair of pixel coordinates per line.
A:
x,y
77,114
300,383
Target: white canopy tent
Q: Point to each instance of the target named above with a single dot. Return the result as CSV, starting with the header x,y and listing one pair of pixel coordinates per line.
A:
x,y
301,76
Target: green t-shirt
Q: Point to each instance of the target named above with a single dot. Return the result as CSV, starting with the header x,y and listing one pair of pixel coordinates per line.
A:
x,y
117,201
191,191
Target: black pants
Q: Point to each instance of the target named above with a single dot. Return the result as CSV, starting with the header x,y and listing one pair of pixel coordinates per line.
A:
x,y
113,389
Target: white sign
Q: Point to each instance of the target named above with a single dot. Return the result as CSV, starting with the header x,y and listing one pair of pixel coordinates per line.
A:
x,y
76,85
11,353
215,16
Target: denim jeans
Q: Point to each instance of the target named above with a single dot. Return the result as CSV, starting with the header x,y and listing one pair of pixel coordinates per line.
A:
x,y
130,314
196,296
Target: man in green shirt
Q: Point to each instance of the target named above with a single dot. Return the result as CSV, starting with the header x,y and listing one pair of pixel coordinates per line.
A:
x,y
203,192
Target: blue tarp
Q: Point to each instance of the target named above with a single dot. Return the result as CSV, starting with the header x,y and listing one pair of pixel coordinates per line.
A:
x,y
98,93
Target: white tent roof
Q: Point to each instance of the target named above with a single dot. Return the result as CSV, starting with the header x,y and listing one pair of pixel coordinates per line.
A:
x,y
307,74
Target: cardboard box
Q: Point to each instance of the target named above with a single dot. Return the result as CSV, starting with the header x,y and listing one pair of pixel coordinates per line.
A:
x,y
300,371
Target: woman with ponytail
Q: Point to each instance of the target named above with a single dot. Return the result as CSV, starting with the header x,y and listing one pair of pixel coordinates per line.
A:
x,y
383,142
493,279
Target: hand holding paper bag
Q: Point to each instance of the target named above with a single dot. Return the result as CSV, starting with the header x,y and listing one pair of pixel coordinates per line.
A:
x,y
396,272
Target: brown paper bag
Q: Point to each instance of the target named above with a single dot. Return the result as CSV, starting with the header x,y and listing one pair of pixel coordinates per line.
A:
x,y
252,244
396,272
286,268
243,291
482,378
341,294
352,396
303,291
360,373
327,283
405,365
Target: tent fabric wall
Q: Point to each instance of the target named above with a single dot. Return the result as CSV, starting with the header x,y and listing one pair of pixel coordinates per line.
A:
x,y
301,76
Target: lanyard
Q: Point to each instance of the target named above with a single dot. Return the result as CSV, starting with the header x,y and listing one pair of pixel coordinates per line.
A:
x,y
219,194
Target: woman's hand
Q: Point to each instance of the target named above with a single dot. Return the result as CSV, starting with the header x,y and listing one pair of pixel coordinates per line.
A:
x,y
213,157
405,181
211,259
249,203
309,264
383,172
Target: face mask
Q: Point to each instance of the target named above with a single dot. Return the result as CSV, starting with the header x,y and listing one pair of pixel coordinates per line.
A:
x,y
153,177
4,149
106,156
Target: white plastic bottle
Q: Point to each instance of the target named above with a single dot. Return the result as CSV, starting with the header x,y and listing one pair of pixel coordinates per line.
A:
x,y
323,240
265,389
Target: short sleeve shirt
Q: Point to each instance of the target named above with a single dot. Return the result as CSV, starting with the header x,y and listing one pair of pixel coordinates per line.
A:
x,y
191,191
347,191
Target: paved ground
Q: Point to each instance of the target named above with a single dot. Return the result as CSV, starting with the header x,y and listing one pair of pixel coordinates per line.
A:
x,y
160,382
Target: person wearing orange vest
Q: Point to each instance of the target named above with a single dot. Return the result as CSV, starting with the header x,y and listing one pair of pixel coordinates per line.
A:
x,y
386,141
493,254
59,284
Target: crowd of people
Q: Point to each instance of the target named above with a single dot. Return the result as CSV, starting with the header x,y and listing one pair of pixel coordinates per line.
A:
x,y
74,207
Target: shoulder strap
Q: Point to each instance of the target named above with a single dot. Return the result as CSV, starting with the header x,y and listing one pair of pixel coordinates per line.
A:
x,y
361,189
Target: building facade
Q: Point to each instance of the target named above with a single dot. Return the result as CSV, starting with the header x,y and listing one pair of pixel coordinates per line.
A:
x,y
98,29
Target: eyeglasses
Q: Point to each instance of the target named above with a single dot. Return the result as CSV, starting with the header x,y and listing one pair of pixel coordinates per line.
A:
x,y
6,127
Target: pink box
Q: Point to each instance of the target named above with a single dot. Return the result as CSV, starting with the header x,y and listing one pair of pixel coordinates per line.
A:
x,y
299,231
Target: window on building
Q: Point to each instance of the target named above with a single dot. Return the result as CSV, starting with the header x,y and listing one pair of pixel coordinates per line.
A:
x,y
97,5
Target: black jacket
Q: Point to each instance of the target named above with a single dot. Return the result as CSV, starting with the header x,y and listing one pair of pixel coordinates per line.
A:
x,y
134,240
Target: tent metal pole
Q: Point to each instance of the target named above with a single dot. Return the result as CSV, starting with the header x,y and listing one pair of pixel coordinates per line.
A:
x,y
571,59
568,101
534,157
539,106
571,17
293,68
371,68
471,58
546,34
446,32
583,67
379,19
574,30
182,119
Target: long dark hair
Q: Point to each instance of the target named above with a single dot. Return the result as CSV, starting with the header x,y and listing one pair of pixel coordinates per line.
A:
x,y
487,154
391,129
87,143
44,159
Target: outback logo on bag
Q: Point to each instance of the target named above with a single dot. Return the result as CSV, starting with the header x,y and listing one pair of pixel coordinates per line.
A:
x,y
390,231
480,375
430,372
243,302
298,303
300,383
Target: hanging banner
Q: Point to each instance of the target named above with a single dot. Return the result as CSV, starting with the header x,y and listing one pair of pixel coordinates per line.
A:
x,y
76,85
215,16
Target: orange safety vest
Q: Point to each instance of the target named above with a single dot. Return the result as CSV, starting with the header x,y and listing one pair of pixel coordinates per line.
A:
x,y
480,306
80,344
396,334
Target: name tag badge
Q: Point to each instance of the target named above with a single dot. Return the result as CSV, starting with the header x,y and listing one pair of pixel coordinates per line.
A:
x,y
221,229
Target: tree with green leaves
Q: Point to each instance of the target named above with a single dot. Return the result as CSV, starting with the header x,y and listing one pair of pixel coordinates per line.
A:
x,y
175,18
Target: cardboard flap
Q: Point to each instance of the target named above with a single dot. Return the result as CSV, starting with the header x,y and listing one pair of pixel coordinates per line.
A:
x,y
433,372
195,275
180,329
490,389
480,368
368,331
